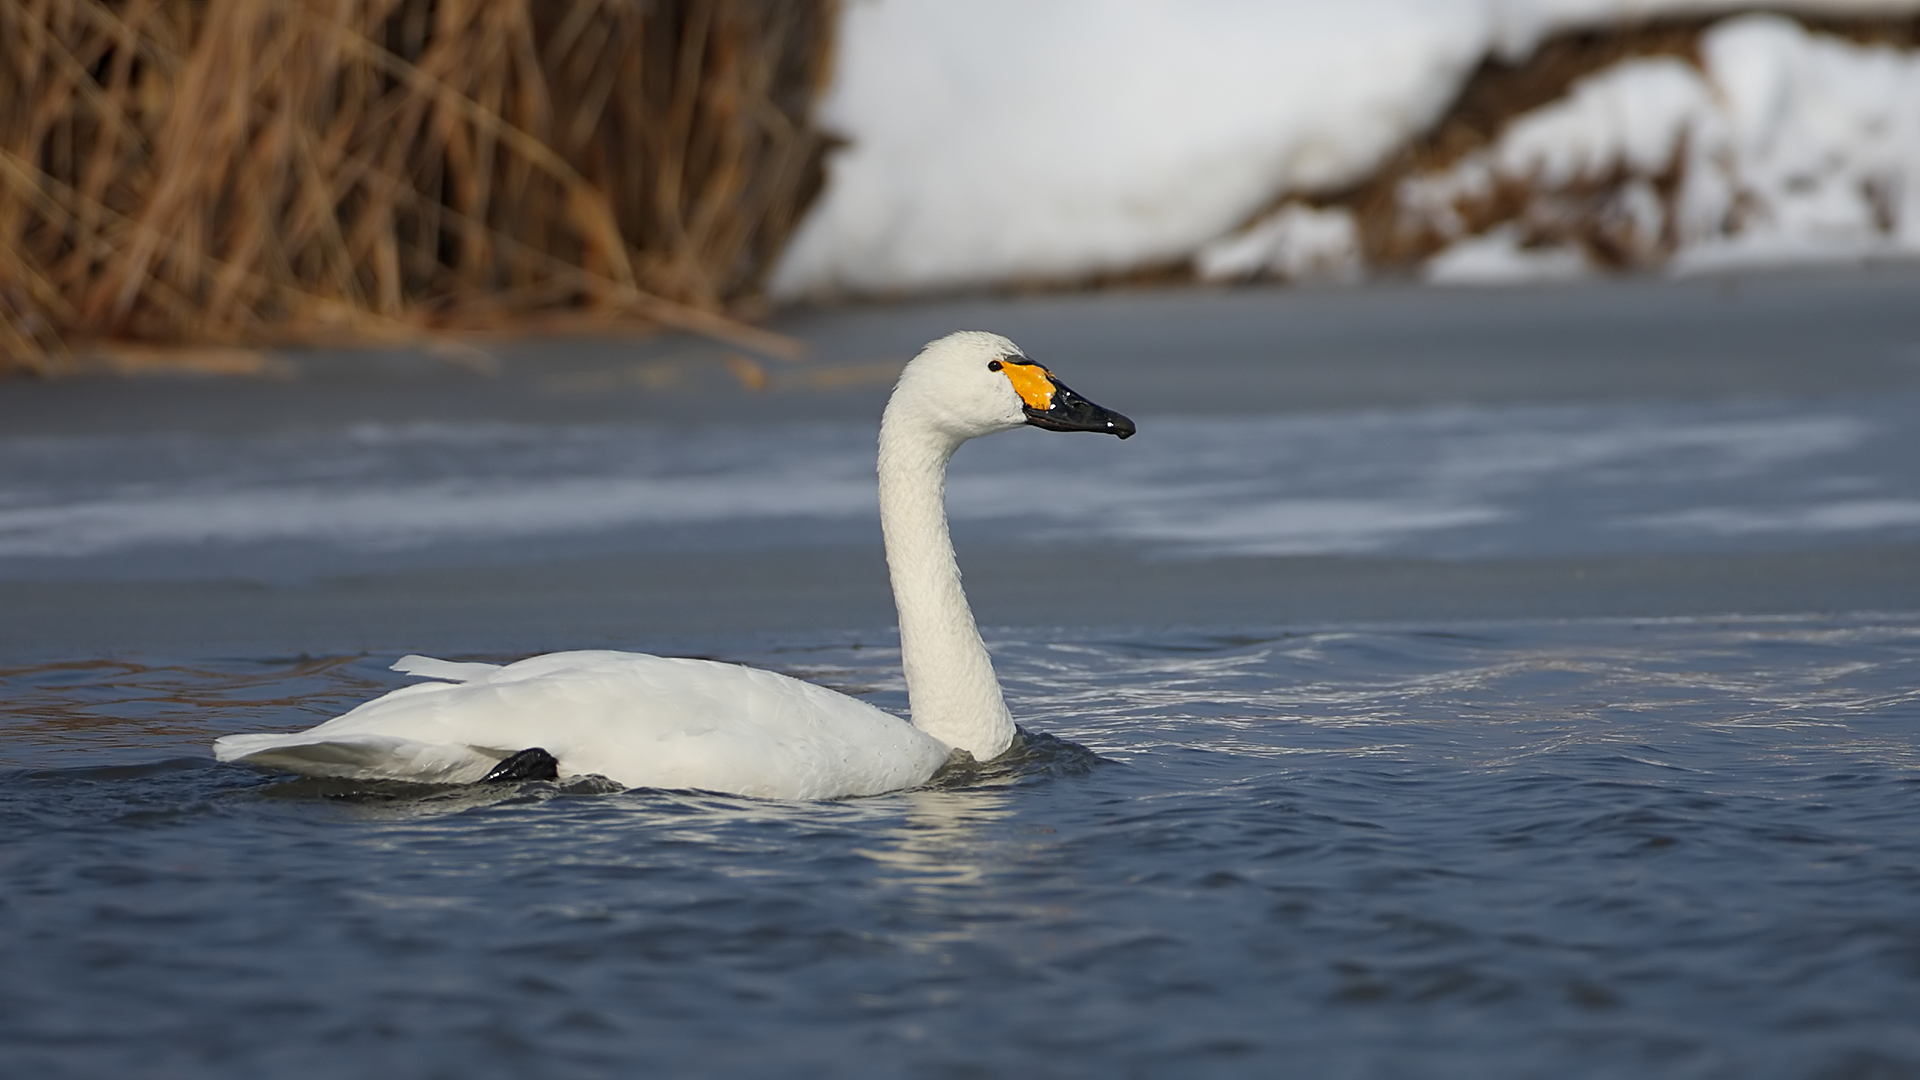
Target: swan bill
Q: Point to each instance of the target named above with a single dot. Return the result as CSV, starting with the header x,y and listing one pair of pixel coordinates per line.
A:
x,y
1051,404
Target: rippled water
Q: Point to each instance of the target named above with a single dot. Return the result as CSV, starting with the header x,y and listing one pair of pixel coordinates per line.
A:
x,y
1683,848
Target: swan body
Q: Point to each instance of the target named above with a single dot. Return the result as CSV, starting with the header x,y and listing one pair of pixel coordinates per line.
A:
x,y
667,722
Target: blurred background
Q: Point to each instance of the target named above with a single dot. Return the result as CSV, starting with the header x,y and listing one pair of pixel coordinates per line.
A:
x,y
261,172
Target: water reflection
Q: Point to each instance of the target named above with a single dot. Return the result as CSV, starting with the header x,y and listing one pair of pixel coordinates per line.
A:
x,y
942,840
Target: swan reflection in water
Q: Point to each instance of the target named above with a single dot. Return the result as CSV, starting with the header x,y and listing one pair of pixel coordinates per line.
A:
x,y
942,841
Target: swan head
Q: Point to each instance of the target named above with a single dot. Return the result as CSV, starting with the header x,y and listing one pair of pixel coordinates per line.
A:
x,y
973,383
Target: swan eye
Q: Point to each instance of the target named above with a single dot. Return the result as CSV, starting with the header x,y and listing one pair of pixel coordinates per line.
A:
x,y
994,365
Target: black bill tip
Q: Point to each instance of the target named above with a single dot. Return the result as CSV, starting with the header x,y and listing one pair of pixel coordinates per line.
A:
x,y
1071,412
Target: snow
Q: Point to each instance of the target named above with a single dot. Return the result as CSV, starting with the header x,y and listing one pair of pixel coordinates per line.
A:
x,y
1001,140
1499,257
997,139
1789,147
1297,242
1634,114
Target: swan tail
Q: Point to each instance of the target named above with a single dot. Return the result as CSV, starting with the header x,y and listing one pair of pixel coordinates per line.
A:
x,y
452,671
359,757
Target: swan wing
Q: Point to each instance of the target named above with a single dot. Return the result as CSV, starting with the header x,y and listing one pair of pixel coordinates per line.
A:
x,y
358,757
452,671
643,721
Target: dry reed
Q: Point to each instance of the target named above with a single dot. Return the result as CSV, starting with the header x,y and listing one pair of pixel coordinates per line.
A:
x,y
261,171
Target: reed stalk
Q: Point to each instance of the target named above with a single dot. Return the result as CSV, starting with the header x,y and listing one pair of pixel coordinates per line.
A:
x,y
272,171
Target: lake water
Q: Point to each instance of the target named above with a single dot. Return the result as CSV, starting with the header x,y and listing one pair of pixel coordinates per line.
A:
x,y
1396,836
1603,848
1442,482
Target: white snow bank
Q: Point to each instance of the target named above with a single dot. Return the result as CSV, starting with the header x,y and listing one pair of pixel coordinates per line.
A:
x,y
1297,242
1787,147
1501,257
1001,139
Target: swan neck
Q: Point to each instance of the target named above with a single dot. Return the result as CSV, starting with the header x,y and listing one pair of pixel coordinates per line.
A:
x,y
951,687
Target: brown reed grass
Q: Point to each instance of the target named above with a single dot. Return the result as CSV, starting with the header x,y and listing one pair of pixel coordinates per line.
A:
x,y
272,171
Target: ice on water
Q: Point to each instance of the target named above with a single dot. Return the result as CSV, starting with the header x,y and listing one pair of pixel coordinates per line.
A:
x,y
1451,482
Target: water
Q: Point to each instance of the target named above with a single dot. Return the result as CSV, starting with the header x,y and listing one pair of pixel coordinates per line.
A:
x,y
1446,482
1587,848
1259,838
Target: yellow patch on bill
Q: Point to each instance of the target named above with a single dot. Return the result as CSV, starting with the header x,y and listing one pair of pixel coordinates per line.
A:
x,y
1030,381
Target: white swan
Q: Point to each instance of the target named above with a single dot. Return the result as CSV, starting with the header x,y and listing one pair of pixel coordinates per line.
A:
x,y
662,722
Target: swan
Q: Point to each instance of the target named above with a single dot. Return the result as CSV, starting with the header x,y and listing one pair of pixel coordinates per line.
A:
x,y
671,722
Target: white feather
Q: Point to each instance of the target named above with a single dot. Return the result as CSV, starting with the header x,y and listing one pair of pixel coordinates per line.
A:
x,y
428,668
645,721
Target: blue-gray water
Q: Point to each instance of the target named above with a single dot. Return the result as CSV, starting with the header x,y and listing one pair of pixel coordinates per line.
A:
x,y
1441,685
1444,482
1678,848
